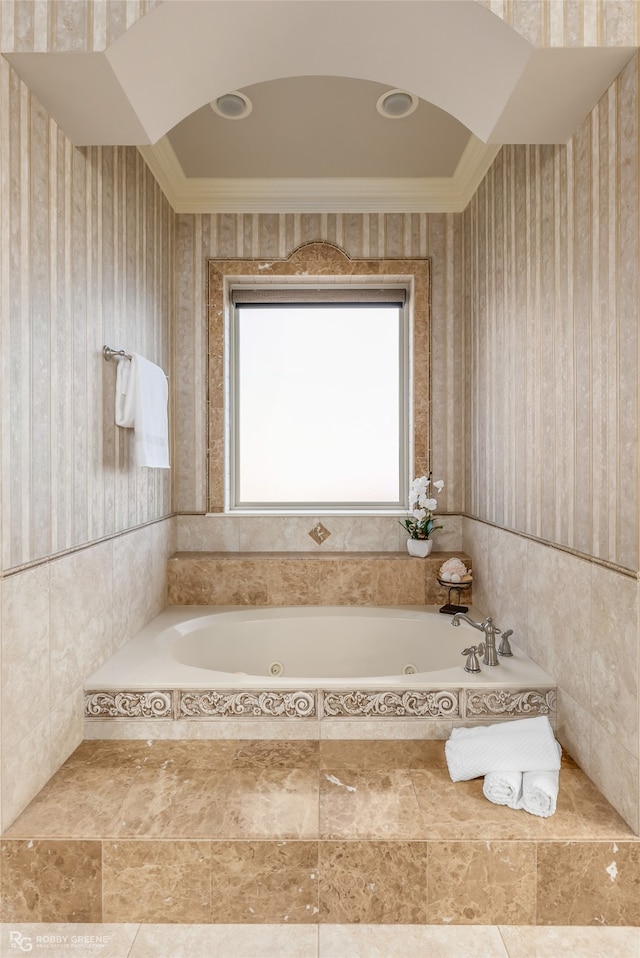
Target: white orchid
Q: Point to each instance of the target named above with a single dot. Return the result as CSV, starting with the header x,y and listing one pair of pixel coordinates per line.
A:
x,y
422,507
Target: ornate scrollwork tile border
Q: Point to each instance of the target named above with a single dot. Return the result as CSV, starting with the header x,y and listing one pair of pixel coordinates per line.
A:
x,y
342,703
202,703
125,704
509,702
359,703
249,704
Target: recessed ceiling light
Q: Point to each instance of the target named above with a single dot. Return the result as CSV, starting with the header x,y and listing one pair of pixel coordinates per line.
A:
x,y
232,106
396,104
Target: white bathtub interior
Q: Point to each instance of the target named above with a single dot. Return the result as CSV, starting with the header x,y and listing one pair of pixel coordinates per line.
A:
x,y
333,647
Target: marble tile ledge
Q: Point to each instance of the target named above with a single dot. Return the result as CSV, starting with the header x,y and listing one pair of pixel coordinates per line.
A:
x,y
308,578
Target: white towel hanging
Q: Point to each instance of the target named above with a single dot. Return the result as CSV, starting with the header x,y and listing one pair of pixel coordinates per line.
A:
x,y
141,404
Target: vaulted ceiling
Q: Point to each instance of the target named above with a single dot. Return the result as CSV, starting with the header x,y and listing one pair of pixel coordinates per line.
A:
x,y
313,71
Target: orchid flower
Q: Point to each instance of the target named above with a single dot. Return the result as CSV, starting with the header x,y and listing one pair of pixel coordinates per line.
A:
x,y
421,523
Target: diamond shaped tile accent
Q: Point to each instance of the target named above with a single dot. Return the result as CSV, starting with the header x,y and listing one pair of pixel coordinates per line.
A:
x,y
319,533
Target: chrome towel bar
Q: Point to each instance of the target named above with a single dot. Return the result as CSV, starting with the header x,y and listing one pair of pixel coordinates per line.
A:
x,y
110,353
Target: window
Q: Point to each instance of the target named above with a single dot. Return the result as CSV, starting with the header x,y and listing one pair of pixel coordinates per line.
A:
x,y
320,265
320,411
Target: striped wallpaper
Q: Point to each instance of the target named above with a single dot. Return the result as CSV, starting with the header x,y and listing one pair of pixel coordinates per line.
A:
x,y
67,26
571,23
550,345
73,26
86,259
551,256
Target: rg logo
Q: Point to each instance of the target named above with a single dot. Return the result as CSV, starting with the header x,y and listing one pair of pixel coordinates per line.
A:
x,y
20,941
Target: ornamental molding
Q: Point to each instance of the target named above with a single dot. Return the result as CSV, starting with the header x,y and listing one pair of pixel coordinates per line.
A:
x,y
247,704
354,703
157,704
510,702
339,703
438,194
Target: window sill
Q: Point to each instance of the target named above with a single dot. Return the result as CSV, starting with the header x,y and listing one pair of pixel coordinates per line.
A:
x,y
314,513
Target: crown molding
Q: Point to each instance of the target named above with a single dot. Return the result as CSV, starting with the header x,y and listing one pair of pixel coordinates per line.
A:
x,y
474,165
312,195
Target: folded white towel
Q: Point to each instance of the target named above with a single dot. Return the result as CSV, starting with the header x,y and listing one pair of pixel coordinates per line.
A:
x,y
522,746
504,788
141,404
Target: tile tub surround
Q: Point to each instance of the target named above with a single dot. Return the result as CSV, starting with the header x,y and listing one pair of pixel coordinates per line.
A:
x,y
227,532
143,692
93,595
280,578
327,833
593,655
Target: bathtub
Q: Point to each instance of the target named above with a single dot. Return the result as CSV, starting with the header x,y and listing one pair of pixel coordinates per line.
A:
x,y
317,664
312,645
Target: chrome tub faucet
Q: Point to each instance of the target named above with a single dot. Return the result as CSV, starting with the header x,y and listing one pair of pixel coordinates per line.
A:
x,y
489,631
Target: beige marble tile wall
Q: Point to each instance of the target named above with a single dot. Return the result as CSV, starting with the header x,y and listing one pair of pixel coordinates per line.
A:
x,y
224,533
362,235
86,258
571,23
552,245
579,621
373,579
60,620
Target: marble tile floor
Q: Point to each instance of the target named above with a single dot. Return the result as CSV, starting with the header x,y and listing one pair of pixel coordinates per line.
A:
x,y
330,847
316,941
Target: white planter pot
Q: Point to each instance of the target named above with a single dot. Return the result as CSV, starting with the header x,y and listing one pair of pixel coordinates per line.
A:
x,y
419,547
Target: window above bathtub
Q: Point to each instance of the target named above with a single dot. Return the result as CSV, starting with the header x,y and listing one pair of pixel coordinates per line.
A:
x,y
318,383
319,411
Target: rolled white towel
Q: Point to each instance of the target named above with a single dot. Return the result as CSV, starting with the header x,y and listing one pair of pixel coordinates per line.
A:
x,y
504,788
522,746
540,791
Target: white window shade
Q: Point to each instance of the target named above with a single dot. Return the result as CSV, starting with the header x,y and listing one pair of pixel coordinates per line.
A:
x,y
319,414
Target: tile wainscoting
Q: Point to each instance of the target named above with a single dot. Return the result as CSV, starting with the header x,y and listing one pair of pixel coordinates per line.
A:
x,y
60,620
578,620
124,702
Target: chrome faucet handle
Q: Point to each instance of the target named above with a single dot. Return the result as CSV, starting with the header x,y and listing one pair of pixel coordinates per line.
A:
x,y
472,653
505,647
